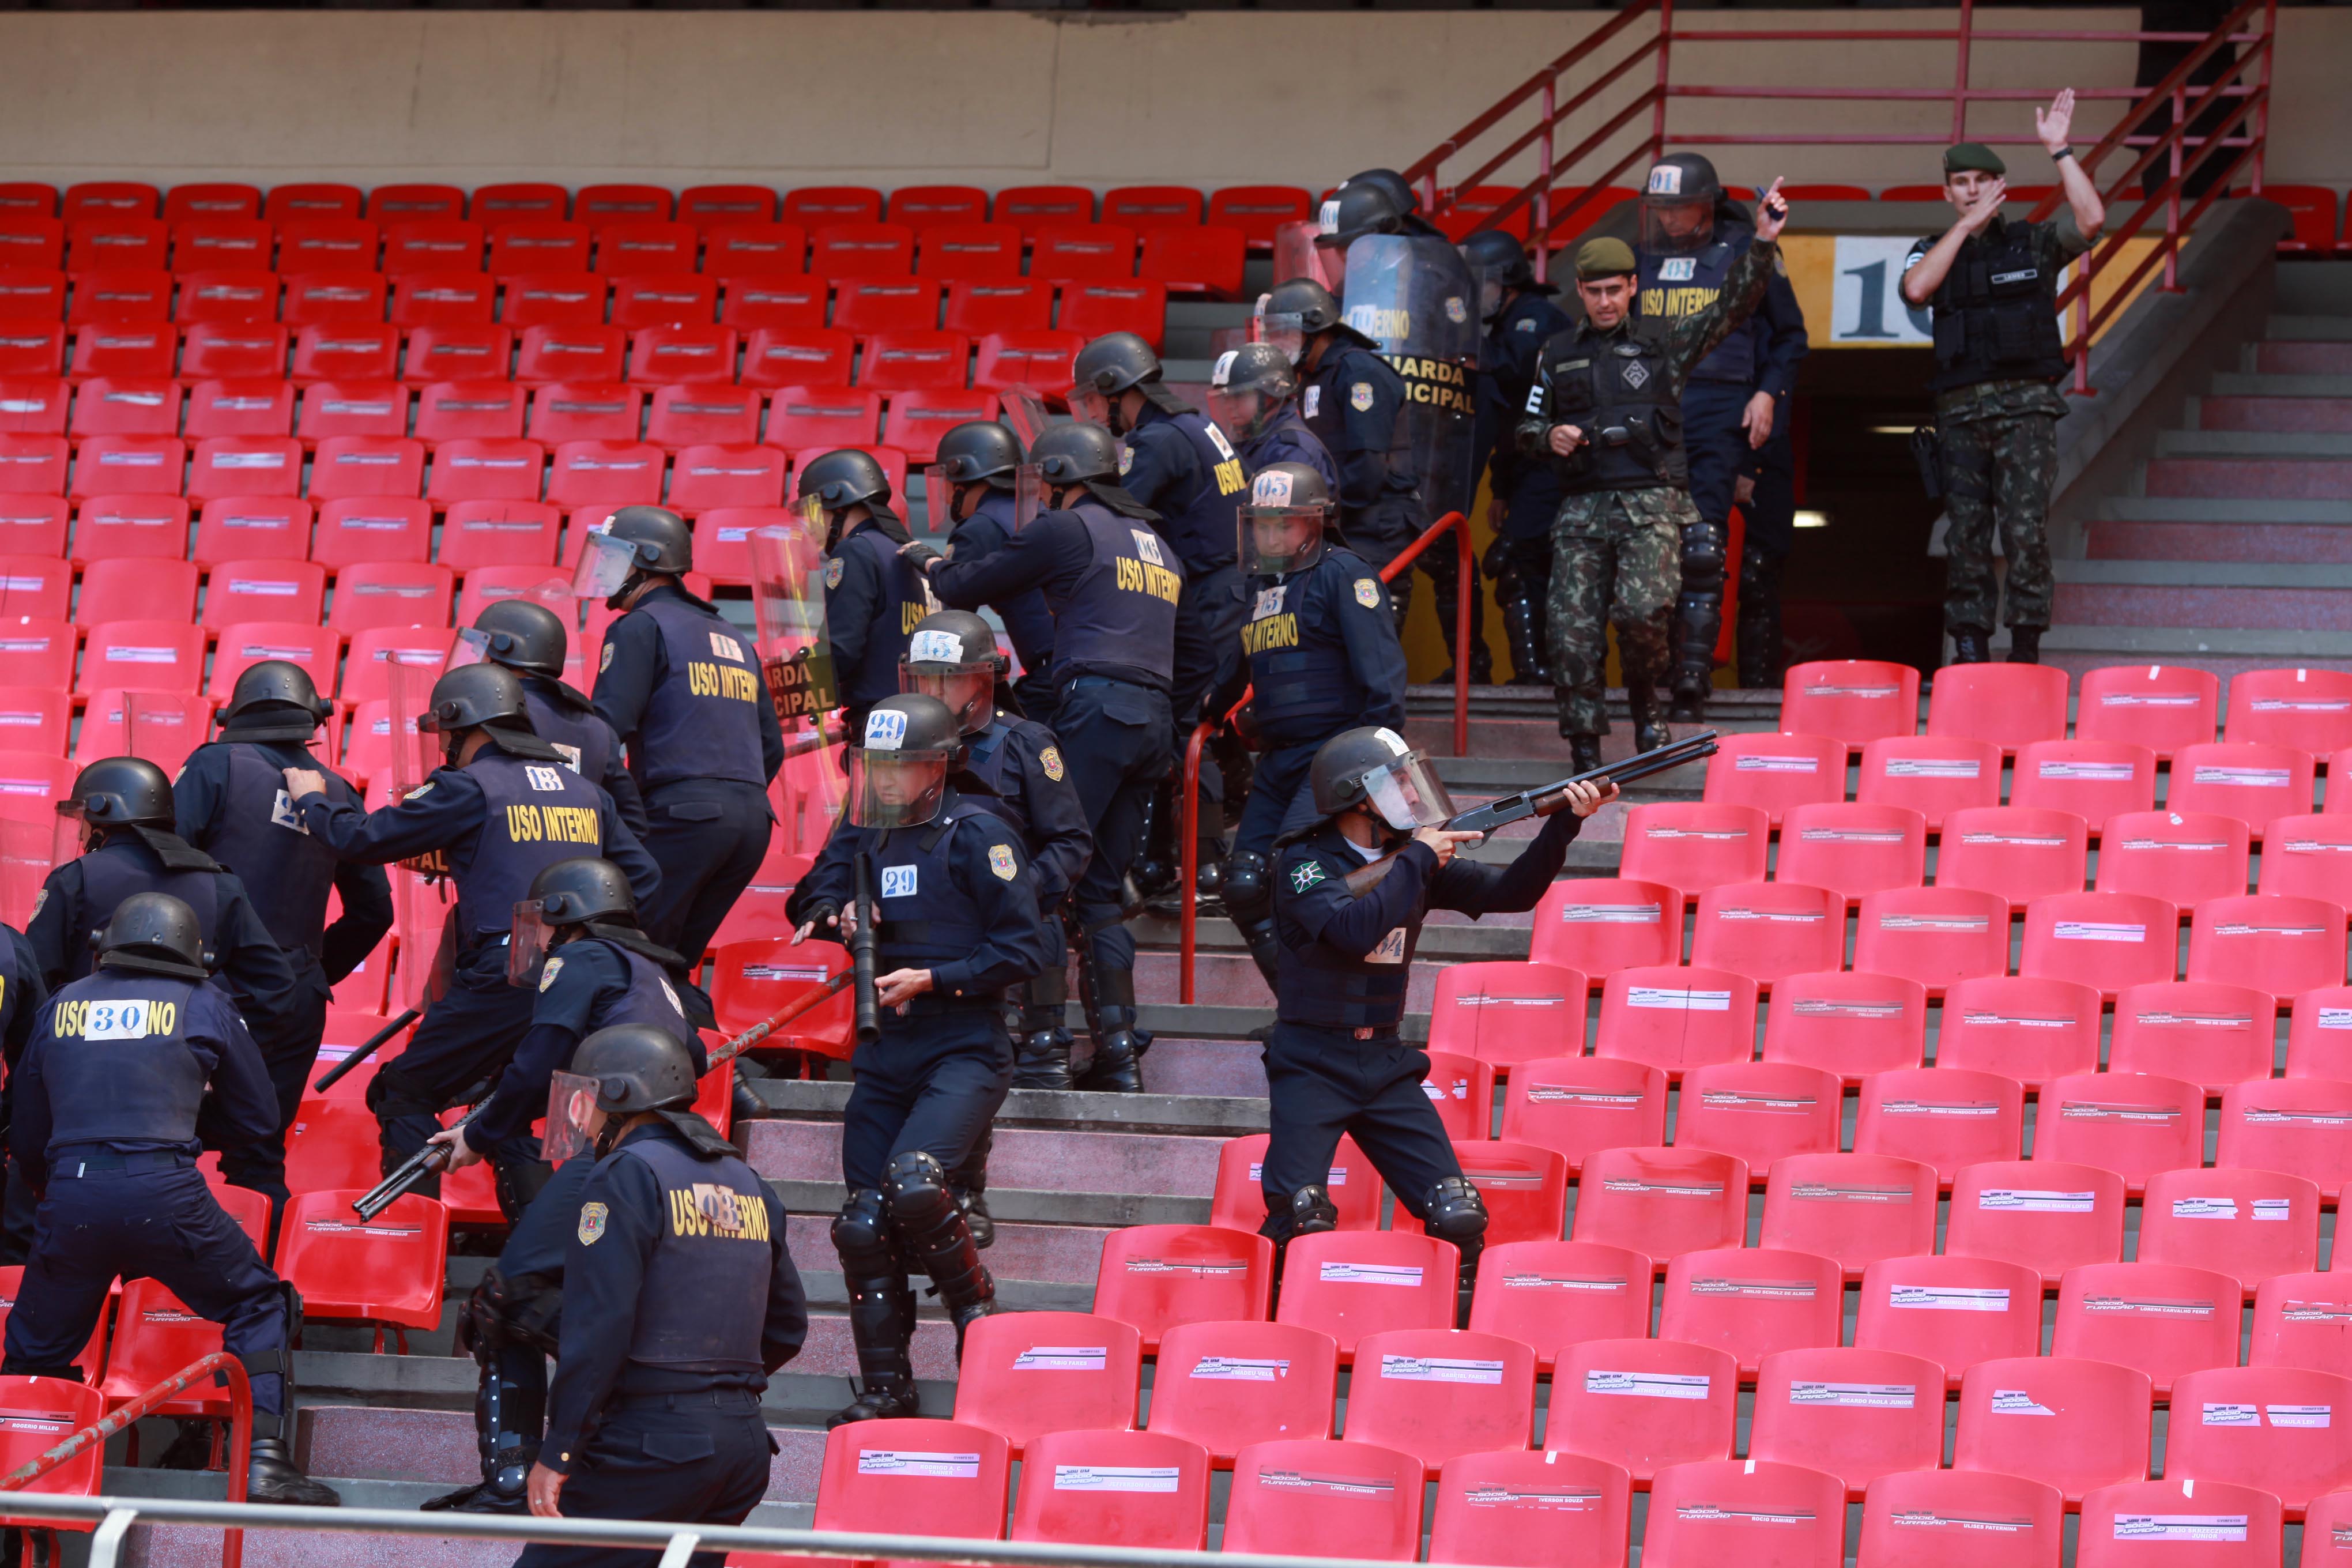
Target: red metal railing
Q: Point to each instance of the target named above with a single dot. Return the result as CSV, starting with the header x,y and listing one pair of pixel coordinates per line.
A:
x,y
1466,583
1648,27
240,1435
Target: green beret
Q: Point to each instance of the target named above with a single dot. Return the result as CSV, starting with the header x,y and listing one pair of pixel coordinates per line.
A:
x,y
1604,258
1973,156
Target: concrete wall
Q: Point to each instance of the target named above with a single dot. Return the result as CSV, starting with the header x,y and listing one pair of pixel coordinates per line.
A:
x,y
986,97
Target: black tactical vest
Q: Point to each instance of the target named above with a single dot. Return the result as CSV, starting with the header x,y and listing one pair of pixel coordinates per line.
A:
x,y
1304,690
1672,287
926,918
1614,388
118,1067
111,873
703,721
1122,609
1202,525
258,834
1318,984
571,728
534,814
650,997
710,1264
1996,314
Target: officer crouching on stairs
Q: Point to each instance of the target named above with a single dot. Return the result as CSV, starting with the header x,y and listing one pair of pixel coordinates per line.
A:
x,y
1335,1063
683,1302
129,1075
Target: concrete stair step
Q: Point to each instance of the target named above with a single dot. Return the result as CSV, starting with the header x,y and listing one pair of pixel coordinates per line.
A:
x,y
2285,328
1022,1254
2173,594
2285,413
2224,650
1028,1165
1206,1116
2330,543
2299,356
2212,574
2223,508
2286,479
2241,384
2267,440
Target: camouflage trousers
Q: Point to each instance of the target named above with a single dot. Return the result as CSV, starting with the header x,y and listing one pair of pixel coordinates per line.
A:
x,y
1997,475
1616,561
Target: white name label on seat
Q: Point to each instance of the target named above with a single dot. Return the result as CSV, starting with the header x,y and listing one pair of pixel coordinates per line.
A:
x,y
2024,1200
1648,1384
1406,1275
2097,930
1674,1001
1063,1358
2180,1527
2018,1402
1239,1369
908,1462
1857,1395
1113,1477
1948,1299
1440,1369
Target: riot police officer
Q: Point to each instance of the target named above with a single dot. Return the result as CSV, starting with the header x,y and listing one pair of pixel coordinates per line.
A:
x,y
1323,657
980,458
683,687
1992,288
1691,232
1606,410
952,656
230,802
530,639
1355,882
872,597
130,1073
957,923
578,951
1402,200
501,808
1524,493
1254,398
1113,584
683,1302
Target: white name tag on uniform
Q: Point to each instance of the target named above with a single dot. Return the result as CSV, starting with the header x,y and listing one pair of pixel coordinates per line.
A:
x,y
899,881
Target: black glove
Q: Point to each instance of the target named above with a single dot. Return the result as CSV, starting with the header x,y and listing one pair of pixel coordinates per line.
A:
x,y
920,555
820,915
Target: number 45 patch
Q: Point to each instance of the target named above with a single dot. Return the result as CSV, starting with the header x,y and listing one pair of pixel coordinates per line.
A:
x,y
1305,876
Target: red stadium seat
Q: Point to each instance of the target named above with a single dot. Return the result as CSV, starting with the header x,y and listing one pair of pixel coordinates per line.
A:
x,y
2161,707
755,249
2270,1427
505,470
969,248
1693,846
1662,1202
2276,943
1350,1283
1599,925
470,410
1462,1090
117,244
1946,1519
1144,208
37,1414
1506,1013
38,294
1943,1116
156,1336
2076,1424
703,415
722,539
670,356
1039,359
36,720
36,244
1206,262
308,203
1575,1105
35,585
1518,1507
478,535
1525,1190
918,420
444,300
1851,1023
2163,1319
1259,210
727,476
1856,1208
1955,1311
118,296
507,203
538,246
1854,849
1027,1374
32,347
812,359
1760,1514
28,198
1073,251
2314,210
2292,1125
1158,1276
136,588
2305,710
585,411
903,361
130,348
1857,1414
128,466
369,408
389,204
240,407
2319,1033
237,295
349,467
1749,1301
570,354
2204,1031
553,300
2018,853
432,244
373,528
315,649
369,594
605,205
385,1270
833,203
30,780
2047,1216
474,353
1934,775
1676,1018
609,473
2307,856
890,304
485,585
1436,1394
1226,1385
1855,700
2108,940
2182,858
1768,931
332,297
346,353
1553,1294
940,1478
211,201
198,244
2027,1028
1291,1497
36,651
927,208
2178,1524
979,306
2011,705
861,249
2133,1124
1092,307
1031,208
373,651
1112,1488
2304,1320
636,249
752,303
1642,1404
1760,1110
2096,780
2255,783
32,465
150,528
162,727
2250,1224
245,465
664,300
707,207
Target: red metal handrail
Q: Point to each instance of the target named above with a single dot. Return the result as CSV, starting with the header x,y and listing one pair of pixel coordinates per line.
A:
x,y
240,1435
1464,585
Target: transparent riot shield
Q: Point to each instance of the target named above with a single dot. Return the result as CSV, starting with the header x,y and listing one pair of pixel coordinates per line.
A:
x,y
1296,255
553,593
1286,329
1415,296
938,502
1028,495
788,567
27,858
1024,412
571,1119
421,895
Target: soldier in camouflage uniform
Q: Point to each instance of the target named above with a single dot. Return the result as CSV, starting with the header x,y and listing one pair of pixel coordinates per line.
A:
x,y
1606,409
1993,289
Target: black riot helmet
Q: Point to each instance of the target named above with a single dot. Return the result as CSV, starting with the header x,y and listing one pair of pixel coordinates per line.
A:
x,y
636,1067
273,700
1359,209
1315,306
899,771
572,892
1389,183
979,451
524,636
842,478
120,792
952,655
1076,453
483,696
636,542
1683,204
1499,261
1115,363
1373,768
1248,386
1285,522
153,933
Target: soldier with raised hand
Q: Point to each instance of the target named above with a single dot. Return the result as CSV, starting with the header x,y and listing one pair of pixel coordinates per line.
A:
x,y
1993,288
1606,407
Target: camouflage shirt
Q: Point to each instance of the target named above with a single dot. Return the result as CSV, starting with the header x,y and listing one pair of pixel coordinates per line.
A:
x,y
2055,243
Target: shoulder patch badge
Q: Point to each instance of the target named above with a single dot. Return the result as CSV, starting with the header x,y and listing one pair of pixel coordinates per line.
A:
x,y
1359,396
833,572
1050,759
1000,861
38,900
1368,593
1126,458
604,660
1305,875
421,791
547,975
592,1223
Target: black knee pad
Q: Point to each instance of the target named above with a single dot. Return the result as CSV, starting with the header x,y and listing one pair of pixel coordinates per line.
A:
x,y
517,1183
1456,1213
1249,896
915,1193
1703,551
1311,1213
861,1235
525,1309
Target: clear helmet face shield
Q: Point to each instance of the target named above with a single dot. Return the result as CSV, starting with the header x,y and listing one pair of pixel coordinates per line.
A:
x,y
528,941
894,788
572,1119
1407,794
605,563
1093,406
1675,227
1276,541
1286,329
968,689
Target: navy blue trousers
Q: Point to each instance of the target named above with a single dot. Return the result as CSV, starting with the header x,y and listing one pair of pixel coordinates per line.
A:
x,y
707,836
689,1459
934,1083
1321,1083
1116,741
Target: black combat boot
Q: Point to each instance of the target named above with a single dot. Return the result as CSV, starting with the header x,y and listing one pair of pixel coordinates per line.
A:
x,y
509,1419
881,1307
272,1476
1971,645
1110,998
1649,732
969,1185
1041,1052
1482,657
1583,753
1699,624
1154,870
1523,624
2025,645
